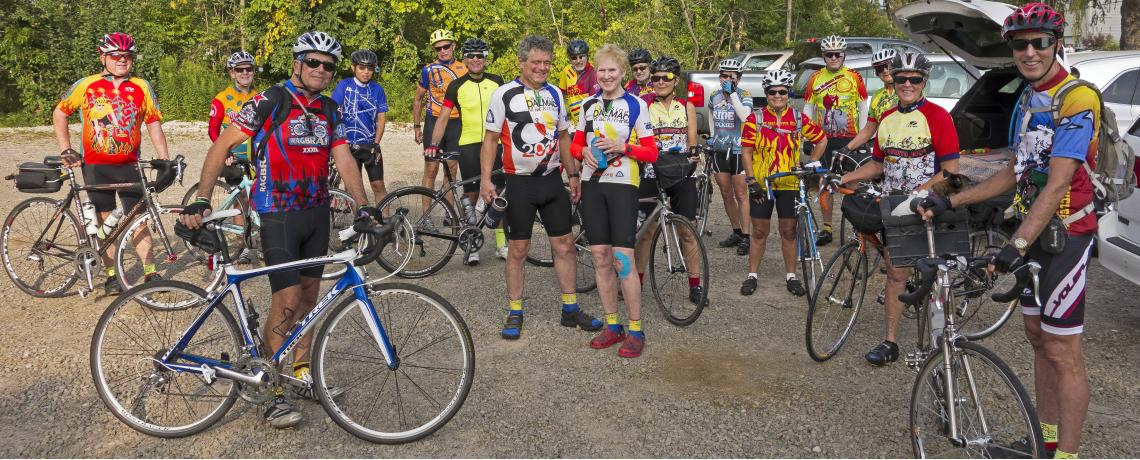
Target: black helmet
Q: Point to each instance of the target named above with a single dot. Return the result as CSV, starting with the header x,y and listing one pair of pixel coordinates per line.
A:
x,y
639,56
364,57
666,64
475,45
576,47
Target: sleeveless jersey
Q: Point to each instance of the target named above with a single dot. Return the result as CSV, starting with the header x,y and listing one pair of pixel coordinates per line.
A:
x,y
726,125
434,78
836,97
577,87
112,117
360,105
776,143
625,119
881,102
528,122
912,143
670,129
471,98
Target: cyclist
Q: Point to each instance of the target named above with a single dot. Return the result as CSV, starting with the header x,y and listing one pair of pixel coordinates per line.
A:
x,y
771,143
579,80
915,144
640,62
434,79
836,99
608,126
470,95
225,105
529,116
114,105
674,124
728,108
882,101
1054,190
290,192
365,107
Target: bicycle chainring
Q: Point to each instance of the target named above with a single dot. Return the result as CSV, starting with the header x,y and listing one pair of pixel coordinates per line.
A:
x,y
471,236
264,392
86,253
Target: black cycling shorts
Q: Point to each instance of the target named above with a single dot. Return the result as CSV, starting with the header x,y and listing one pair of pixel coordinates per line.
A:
x,y
450,140
544,195
1063,279
288,236
99,174
469,164
727,162
682,196
375,170
784,204
609,214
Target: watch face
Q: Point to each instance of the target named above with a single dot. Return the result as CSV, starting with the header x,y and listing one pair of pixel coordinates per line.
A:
x,y
1020,243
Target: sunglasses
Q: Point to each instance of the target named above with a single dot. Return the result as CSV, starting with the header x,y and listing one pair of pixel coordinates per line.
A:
x,y
833,55
243,69
577,57
121,56
777,92
911,80
660,78
442,47
314,63
727,76
1040,43
880,69
640,68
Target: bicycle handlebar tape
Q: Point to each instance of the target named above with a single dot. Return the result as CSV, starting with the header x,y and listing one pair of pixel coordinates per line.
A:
x,y
383,235
927,269
1021,275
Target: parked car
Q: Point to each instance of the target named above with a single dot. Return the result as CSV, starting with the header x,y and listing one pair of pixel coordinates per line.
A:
x,y
856,46
949,78
1118,238
760,61
1117,74
755,64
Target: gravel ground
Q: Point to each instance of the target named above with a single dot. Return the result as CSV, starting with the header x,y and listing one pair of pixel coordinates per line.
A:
x,y
738,383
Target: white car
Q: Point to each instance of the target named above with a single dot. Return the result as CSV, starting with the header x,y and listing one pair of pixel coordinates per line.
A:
x,y
1118,237
950,77
1117,74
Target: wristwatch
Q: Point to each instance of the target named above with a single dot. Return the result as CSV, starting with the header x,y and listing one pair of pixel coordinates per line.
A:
x,y
1020,244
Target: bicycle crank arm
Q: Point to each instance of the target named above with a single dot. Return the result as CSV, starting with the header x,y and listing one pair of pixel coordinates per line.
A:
x,y
257,379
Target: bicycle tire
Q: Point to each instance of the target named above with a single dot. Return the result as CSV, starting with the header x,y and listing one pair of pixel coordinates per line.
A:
x,y
674,300
158,382
843,310
238,236
704,201
412,347
585,278
185,262
55,271
987,316
811,263
342,212
539,252
928,410
435,244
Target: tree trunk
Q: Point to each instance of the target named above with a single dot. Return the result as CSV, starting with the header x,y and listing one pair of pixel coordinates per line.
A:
x,y
788,24
1130,24
241,23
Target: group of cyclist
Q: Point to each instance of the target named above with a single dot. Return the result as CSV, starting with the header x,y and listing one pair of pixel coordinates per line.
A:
x,y
604,134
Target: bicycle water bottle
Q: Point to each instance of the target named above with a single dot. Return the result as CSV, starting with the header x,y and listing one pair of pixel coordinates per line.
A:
x,y
110,223
468,209
495,214
91,218
599,154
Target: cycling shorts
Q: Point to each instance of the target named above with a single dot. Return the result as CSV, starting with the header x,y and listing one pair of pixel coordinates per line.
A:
x,y
1063,279
101,174
450,140
784,204
727,162
288,236
542,195
375,170
682,196
469,164
609,214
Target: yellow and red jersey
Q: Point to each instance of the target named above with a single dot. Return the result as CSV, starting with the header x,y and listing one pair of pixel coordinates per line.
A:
x,y
577,87
435,78
776,143
112,116
225,105
835,97
912,144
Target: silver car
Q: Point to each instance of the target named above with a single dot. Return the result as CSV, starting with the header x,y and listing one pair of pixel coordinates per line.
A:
x,y
949,78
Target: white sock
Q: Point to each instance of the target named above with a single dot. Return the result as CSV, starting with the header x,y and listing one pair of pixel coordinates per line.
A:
x,y
789,277
752,275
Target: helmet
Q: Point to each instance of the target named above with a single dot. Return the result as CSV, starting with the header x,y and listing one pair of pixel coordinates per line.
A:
x,y
239,58
475,45
666,64
117,41
440,35
833,43
778,77
364,58
640,56
1034,16
883,56
317,41
576,47
910,62
730,65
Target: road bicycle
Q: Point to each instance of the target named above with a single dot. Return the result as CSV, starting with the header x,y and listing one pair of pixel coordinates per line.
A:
x,y
400,356
811,262
703,178
676,253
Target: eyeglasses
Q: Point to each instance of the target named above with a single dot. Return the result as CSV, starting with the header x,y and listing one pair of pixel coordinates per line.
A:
x,y
475,56
121,56
442,47
577,57
777,92
314,63
727,76
660,78
880,69
833,55
1040,43
244,69
912,80
640,68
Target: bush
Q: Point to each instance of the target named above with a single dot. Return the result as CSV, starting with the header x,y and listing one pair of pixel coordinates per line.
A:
x,y
185,89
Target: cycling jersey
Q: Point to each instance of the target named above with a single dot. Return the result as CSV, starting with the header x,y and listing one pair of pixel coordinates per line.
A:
x,y
528,122
912,144
835,96
726,125
471,98
639,90
224,106
881,102
777,144
1075,138
577,87
670,129
360,105
112,117
293,173
434,78
626,119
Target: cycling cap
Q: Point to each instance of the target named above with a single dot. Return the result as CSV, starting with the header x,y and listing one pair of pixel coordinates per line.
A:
x,y
666,64
730,65
1034,16
576,47
364,58
317,41
883,56
117,41
475,45
778,77
910,62
239,58
833,43
440,35
639,56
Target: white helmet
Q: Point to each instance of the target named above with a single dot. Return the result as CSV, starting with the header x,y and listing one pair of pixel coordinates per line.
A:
x,y
833,43
730,65
884,56
778,77
239,58
911,62
317,41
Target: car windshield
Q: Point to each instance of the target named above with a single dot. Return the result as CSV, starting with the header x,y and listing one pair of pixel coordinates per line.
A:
x,y
947,80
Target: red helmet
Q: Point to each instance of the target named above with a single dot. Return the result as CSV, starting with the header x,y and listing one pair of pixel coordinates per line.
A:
x,y
117,41
1034,16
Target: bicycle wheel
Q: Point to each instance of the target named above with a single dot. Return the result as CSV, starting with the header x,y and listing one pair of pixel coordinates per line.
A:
x,y
171,256
584,275
811,262
539,253
39,241
342,211
436,364
995,416
146,395
833,308
436,232
979,316
235,229
676,246
704,200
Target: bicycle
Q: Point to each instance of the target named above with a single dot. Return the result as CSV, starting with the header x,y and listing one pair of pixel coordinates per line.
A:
x,y
703,179
841,164
542,254
811,263
671,262
402,354
46,248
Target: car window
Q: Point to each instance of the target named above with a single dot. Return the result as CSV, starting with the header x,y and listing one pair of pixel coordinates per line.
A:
x,y
898,47
859,48
1135,129
872,81
947,80
1011,86
1120,91
760,61
801,81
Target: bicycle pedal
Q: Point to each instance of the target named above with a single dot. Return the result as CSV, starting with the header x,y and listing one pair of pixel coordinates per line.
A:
x,y
915,359
84,292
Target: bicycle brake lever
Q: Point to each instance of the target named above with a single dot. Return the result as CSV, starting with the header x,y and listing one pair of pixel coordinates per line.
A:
x,y
1034,269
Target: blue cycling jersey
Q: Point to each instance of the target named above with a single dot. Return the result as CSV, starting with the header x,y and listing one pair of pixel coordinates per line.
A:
x,y
360,105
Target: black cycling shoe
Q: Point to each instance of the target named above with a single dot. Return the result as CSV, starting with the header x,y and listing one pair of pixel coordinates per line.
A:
x,y
823,238
743,247
581,320
695,294
796,287
733,240
748,287
883,353
112,287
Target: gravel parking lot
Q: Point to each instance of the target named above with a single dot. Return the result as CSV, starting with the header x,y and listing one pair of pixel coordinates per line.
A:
x,y
737,383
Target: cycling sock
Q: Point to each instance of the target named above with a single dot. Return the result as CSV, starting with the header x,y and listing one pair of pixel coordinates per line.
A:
x,y
148,269
613,322
827,227
300,368
569,303
694,281
635,329
641,278
500,238
738,232
1049,434
1062,454
753,275
516,306
111,271
789,277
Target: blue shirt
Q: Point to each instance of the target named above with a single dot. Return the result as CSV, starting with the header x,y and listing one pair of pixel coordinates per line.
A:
x,y
360,105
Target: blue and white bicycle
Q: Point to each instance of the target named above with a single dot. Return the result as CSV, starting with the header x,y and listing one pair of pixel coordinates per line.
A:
x,y
170,359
